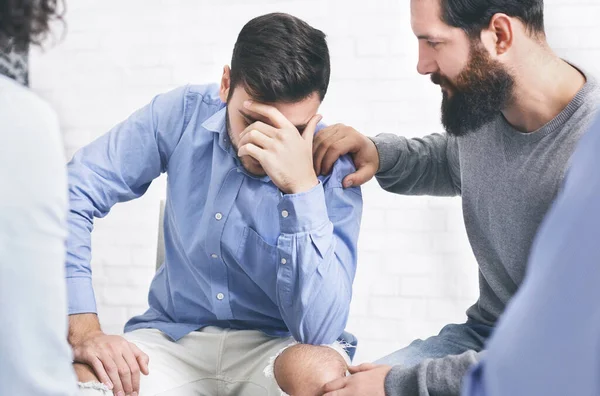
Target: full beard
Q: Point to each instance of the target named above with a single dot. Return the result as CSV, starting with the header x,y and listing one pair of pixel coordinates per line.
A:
x,y
482,90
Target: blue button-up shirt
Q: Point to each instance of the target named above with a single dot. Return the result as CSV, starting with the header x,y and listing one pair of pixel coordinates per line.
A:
x,y
238,253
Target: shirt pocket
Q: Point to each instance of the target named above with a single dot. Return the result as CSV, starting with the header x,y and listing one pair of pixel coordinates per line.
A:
x,y
258,260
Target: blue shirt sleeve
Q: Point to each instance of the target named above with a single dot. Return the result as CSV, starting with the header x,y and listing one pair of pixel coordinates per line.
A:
x,y
317,247
116,167
547,342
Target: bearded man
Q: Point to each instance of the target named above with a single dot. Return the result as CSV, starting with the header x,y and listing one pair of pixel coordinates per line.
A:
x,y
513,112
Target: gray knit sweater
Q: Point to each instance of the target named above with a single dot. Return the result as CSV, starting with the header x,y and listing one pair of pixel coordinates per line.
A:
x,y
507,181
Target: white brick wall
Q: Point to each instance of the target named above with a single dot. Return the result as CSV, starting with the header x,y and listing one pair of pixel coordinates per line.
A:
x,y
416,270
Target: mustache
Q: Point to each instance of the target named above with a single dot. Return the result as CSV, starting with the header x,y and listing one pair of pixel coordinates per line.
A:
x,y
440,80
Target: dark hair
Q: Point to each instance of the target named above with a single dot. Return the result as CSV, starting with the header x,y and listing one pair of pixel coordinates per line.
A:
x,y
280,58
24,22
474,15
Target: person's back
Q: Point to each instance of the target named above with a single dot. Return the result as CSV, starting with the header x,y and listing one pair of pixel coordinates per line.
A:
x,y
35,358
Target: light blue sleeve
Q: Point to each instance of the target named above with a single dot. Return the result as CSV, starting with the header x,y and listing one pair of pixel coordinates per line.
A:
x,y
317,247
117,167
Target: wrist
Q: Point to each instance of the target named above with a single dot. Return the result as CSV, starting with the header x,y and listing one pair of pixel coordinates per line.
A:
x,y
82,327
303,186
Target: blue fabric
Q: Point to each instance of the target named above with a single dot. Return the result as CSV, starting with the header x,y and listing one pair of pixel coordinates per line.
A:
x,y
548,341
453,339
227,233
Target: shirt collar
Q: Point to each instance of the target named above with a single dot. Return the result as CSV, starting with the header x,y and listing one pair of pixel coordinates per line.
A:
x,y
217,124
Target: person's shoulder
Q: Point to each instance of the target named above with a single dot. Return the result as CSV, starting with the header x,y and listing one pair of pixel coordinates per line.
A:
x,y
32,153
23,108
207,93
198,101
341,168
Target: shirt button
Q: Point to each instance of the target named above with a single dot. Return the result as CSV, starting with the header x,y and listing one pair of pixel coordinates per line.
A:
x,y
284,214
220,296
283,261
214,256
218,216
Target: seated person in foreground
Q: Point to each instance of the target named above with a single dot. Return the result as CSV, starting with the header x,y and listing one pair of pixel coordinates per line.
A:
x,y
259,253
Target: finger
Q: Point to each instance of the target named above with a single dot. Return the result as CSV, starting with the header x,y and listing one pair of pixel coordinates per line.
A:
x,y
361,368
360,177
277,119
113,373
262,127
251,150
100,372
335,151
257,138
341,392
324,146
311,127
124,374
142,359
335,385
134,368
325,134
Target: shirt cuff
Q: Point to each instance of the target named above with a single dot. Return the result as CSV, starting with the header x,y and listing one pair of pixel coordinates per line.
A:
x,y
387,147
402,380
303,212
81,296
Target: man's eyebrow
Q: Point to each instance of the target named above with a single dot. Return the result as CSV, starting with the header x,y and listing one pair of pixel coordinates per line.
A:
x,y
428,37
247,117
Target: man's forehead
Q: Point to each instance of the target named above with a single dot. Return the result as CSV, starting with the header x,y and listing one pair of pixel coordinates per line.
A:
x,y
426,18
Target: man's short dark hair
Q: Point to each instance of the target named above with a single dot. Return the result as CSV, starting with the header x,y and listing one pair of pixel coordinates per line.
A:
x,y
280,58
24,22
475,15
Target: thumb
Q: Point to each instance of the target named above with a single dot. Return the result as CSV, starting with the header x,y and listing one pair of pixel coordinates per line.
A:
x,y
361,368
311,127
360,177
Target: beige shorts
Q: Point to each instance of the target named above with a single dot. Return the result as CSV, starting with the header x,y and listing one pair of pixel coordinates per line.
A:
x,y
209,362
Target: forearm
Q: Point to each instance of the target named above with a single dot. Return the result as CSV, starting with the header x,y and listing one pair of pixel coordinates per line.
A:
x,y
419,166
318,247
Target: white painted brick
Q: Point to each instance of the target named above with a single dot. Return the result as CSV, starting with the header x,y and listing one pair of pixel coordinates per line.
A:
x,y
372,241
123,295
388,286
416,269
447,309
129,276
401,308
370,46
449,242
416,220
135,310
110,255
422,263
416,286
400,243
112,315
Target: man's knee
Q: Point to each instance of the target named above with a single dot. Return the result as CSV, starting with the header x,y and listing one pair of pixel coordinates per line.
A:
x,y
303,370
88,382
84,373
